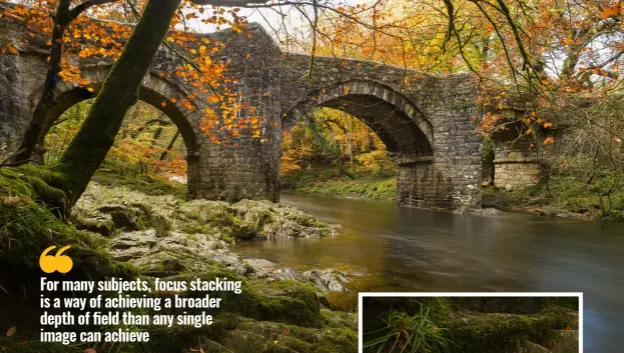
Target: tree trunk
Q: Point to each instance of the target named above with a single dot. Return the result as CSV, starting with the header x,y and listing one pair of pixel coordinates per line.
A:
x,y
170,146
119,92
46,101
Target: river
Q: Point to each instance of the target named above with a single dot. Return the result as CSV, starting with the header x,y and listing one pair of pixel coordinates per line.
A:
x,y
412,250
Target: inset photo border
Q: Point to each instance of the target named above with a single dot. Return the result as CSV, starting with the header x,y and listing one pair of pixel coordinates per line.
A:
x,y
467,322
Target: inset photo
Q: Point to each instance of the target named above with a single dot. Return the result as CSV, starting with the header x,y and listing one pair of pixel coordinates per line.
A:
x,y
470,322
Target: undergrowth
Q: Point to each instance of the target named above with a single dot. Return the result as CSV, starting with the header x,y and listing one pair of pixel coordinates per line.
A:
x,y
376,186
600,198
401,332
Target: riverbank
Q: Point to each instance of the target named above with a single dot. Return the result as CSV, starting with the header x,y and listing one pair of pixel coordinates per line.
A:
x,y
563,197
358,185
123,233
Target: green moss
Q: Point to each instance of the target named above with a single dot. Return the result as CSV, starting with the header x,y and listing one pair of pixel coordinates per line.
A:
x,y
301,339
280,301
344,301
494,332
38,183
10,344
140,182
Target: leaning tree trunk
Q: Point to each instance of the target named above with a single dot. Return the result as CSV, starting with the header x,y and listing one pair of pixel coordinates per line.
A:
x,y
119,92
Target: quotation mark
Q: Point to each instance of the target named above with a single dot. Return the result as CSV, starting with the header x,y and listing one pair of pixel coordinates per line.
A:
x,y
58,262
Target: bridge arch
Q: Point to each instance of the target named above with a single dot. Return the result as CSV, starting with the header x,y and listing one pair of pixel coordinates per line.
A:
x,y
153,91
398,122
407,133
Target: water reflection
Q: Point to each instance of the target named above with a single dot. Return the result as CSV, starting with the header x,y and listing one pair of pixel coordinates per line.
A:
x,y
417,250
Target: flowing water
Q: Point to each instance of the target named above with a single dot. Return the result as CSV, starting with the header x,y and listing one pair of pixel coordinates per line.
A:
x,y
411,250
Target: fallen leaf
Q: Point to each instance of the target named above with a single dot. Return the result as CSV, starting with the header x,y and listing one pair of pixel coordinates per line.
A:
x,y
618,140
11,331
90,350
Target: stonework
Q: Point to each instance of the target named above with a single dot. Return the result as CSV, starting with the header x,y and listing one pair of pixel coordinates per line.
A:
x,y
516,163
425,121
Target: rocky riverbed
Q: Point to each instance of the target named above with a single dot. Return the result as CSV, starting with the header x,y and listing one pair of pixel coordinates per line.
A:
x,y
118,232
163,236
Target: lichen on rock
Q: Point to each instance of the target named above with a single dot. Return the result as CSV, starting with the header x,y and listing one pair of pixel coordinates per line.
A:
x,y
241,221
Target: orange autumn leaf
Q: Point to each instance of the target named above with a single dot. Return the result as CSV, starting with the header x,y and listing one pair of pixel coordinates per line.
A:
x,y
11,331
163,104
528,131
610,11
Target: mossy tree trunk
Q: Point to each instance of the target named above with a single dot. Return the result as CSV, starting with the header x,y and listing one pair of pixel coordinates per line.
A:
x,y
119,92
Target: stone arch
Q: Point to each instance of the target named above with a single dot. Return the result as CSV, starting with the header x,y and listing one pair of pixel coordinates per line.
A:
x,y
153,91
395,119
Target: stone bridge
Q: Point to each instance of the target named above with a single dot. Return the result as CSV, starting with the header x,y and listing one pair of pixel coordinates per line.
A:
x,y
425,121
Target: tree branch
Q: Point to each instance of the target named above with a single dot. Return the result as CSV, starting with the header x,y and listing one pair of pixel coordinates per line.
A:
x,y
78,9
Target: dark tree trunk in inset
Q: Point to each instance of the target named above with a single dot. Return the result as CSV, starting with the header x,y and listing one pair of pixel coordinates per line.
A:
x,y
170,146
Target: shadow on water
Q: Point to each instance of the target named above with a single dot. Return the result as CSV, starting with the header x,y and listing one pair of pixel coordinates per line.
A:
x,y
419,250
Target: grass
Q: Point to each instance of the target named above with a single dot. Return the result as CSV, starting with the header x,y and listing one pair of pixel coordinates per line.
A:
x,y
328,182
404,333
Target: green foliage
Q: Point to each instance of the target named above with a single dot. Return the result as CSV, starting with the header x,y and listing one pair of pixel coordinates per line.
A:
x,y
404,333
330,138
378,162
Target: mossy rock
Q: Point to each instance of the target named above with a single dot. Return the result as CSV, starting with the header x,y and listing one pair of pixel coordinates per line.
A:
x,y
344,301
280,301
495,332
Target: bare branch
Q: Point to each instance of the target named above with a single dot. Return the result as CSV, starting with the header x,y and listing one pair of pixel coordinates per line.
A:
x,y
78,9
